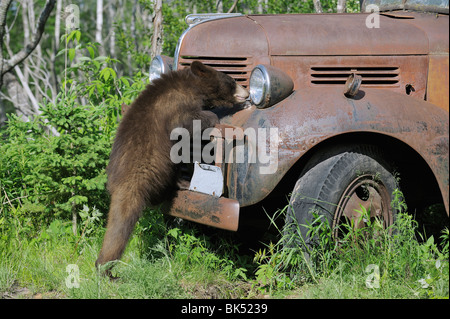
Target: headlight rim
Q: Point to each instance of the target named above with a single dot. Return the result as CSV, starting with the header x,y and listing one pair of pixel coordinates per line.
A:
x,y
277,85
265,94
165,65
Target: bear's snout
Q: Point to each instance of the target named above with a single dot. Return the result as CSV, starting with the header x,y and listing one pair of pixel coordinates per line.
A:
x,y
241,94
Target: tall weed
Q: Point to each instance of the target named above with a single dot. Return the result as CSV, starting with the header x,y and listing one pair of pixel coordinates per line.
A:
x,y
393,257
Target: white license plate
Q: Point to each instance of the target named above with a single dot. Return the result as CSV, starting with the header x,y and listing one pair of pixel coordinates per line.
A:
x,y
207,179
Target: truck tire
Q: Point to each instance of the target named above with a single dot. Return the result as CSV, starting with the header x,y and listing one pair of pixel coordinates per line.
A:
x,y
336,182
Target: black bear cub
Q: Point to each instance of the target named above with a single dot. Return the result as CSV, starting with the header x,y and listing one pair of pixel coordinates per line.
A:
x,y
140,171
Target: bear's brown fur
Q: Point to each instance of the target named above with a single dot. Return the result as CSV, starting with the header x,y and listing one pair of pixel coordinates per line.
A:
x,y
140,170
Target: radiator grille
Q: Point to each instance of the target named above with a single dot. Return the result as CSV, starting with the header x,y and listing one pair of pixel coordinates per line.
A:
x,y
239,68
372,76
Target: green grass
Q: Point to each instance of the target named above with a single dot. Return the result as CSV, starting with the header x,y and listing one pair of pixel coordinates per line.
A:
x,y
158,263
171,260
371,262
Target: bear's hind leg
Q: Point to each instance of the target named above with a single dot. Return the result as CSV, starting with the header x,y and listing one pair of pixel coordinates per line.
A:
x,y
124,212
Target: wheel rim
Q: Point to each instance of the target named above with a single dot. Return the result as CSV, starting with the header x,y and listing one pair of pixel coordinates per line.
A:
x,y
371,194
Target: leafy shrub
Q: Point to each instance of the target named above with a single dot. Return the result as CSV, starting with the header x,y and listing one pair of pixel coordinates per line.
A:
x,y
54,164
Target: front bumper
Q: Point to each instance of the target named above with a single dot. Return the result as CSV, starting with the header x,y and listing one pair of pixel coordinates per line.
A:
x,y
219,212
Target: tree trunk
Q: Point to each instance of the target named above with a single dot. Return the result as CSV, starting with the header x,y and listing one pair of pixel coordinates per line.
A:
x,y
341,6
74,217
26,21
233,6
318,6
133,26
112,41
18,92
260,7
219,6
157,29
128,67
18,96
55,81
99,22
4,6
35,61
2,113
57,25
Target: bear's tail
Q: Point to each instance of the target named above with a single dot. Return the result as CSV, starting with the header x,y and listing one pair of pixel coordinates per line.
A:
x,y
127,203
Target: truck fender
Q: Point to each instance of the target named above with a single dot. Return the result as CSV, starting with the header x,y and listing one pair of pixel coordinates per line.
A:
x,y
311,116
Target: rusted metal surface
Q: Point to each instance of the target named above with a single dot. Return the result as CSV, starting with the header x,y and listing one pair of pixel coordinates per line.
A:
x,y
312,115
248,39
233,46
401,64
438,79
389,72
395,56
436,28
377,204
205,209
339,34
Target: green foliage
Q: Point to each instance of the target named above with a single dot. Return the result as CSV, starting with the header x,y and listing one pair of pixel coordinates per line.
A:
x,y
61,170
54,164
193,251
435,280
90,225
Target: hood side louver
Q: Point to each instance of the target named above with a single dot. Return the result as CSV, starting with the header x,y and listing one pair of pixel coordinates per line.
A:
x,y
239,68
372,76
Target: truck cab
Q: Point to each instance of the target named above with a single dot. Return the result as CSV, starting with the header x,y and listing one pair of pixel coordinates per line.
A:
x,y
344,111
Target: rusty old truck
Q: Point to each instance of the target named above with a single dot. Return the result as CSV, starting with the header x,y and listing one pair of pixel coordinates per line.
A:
x,y
344,111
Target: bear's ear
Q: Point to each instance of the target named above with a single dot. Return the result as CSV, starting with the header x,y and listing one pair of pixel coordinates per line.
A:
x,y
199,69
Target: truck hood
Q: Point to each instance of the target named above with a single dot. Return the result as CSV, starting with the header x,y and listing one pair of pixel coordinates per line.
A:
x,y
230,37
304,34
341,34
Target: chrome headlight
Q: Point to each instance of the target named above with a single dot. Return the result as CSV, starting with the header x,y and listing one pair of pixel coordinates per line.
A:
x,y
160,64
259,82
269,85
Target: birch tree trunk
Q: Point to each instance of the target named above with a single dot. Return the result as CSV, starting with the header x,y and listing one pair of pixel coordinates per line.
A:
x,y
157,29
133,26
26,30
17,96
99,22
55,81
32,66
260,7
318,6
112,39
4,6
233,6
341,6
219,6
